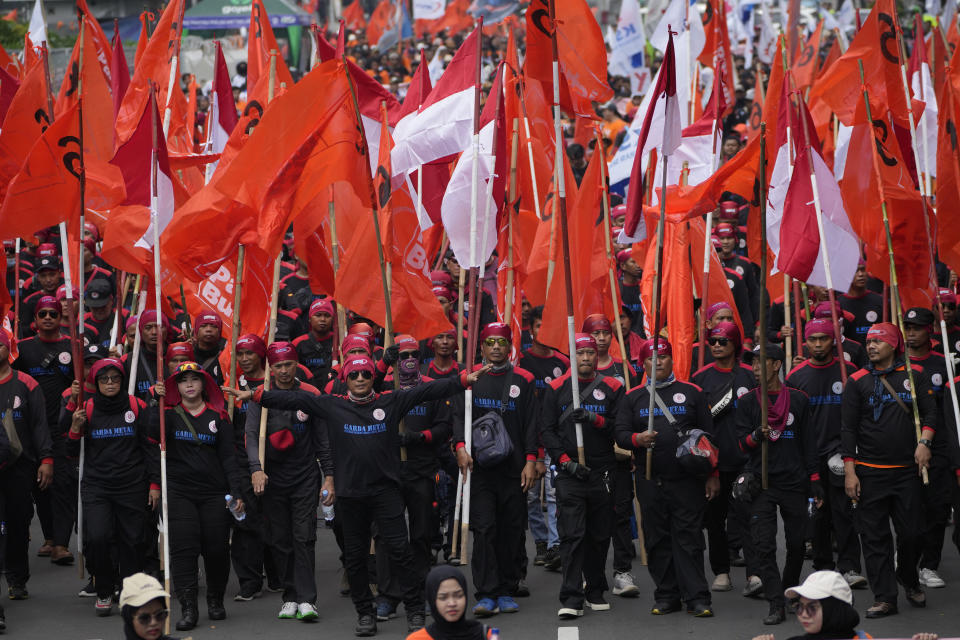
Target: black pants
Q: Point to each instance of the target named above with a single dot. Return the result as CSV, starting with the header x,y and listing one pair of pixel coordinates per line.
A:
x,y
623,550
885,495
936,498
763,530
498,517
199,525
248,550
584,522
385,509
63,497
834,521
290,515
672,514
418,495
16,510
715,521
113,527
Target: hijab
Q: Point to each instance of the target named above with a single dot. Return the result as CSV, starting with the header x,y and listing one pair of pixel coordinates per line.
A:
x,y
441,629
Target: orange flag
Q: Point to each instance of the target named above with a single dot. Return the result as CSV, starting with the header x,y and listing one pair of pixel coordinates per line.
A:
x,y
876,45
30,54
257,100
805,67
582,54
100,40
948,175
353,16
46,190
380,20
756,107
716,52
26,119
145,18
307,140
259,45
8,63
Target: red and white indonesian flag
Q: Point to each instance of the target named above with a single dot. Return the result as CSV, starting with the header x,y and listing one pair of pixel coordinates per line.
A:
x,y
663,122
921,83
222,116
792,230
444,125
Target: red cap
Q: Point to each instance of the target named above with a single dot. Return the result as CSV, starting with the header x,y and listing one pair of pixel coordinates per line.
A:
x,y
208,317
441,279
497,330
150,317
100,365
663,348
584,341
623,255
354,342
406,342
596,322
729,209
886,332
443,292
619,210
321,305
356,363
361,329
819,325
252,342
281,352
91,228
47,250
725,230
180,350
947,296
47,302
822,310
730,331
715,307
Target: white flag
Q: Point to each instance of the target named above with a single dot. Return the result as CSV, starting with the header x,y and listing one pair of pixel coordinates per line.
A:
x,y
627,56
38,24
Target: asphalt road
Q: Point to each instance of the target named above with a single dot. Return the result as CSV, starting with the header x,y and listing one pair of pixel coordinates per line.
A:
x,y
54,610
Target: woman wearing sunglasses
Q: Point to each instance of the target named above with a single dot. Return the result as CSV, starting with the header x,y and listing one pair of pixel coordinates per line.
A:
x,y
202,469
143,606
121,476
363,430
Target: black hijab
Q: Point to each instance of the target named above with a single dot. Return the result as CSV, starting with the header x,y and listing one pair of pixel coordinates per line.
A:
x,y
112,405
440,629
129,633
839,621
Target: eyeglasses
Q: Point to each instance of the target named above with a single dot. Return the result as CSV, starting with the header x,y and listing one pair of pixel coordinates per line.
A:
x,y
718,341
48,314
490,342
366,375
110,379
809,608
406,355
145,618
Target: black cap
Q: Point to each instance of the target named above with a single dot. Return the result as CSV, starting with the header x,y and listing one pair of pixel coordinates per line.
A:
x,y
774,352
94,352
48,262
920,316
97,293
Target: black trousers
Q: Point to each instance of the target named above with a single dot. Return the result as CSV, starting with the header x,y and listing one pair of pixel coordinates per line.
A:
x,y
834,521
199,525
623,551
584,523
672,514
498,517
936,498
63,497
290,516
889,495
113,528
16,510
385,509
423,523
763,530
248,550
722,519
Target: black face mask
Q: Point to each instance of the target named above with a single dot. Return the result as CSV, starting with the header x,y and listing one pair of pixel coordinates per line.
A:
x,y
408,372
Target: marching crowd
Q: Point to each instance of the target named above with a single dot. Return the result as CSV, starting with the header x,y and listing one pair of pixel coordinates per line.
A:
x,y
376,435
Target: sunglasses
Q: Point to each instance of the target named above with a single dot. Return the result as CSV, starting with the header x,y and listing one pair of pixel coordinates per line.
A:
x,y
354,375
48,314
490,342
406,355
110,379
807,608
145,618
718,341
950,305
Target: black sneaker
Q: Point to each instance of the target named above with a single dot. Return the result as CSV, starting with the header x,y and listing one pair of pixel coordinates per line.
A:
x,y
247,594
521,590
88,591
551,560
415,621
18,592
541,553
366,626
777,615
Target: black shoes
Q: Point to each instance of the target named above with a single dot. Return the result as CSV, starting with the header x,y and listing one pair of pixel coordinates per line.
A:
x,y
189,613
777,614
366,626
215,610
415,621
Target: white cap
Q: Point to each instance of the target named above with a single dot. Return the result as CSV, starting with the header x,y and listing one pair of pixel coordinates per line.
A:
x,y
139,589
822,584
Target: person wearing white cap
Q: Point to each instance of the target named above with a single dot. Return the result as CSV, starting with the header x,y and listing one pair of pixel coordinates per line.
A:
x,y
143,606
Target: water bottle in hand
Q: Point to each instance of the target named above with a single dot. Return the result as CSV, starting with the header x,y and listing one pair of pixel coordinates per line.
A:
x,y
234,507
811,508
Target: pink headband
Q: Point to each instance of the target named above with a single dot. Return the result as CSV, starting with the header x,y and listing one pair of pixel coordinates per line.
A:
x,y
818,325
208,318
497,330
663,348
357,363
180,349
716,307
355,342
584,341
730,331
407,343
252,342
47,302
886,332
321,305
281,352
595,322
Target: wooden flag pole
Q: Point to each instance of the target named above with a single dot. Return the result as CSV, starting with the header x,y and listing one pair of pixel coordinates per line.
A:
x,y
658,316
511,213
896,310
235,327
341,331
16,293
764,398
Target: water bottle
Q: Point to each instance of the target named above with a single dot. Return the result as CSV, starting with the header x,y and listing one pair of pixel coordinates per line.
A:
x,y
811,508
234,508
494,634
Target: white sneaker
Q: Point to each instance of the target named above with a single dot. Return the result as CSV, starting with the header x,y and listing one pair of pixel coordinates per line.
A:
x,y
855,580
624,586
721,583
568,613
288,611
754,587
307,612
930,578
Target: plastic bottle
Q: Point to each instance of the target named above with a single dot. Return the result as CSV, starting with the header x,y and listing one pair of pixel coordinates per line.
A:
x,y
494,634
811,508
233,507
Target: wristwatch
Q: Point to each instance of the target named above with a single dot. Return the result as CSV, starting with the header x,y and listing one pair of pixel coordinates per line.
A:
x,y
927,443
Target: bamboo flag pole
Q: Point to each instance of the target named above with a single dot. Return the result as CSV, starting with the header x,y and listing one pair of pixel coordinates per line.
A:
x,y
235,327
335,254
511,215
764,398
16,294
533,172
896,311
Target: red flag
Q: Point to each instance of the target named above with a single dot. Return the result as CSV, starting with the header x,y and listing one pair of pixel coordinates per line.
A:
x,y
948,175
145,18
26,119
260,43
8,89
805,67
456,19
9,64
380,20
353,15
119,76
716,49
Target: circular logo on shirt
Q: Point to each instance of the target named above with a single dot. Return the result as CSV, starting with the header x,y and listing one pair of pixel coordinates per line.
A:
x,y
871,316
912,314
846,356
743,243
599,394
129,417
64,357
956,345
379,414
906,385
730,283
301,416
212,426
739,270
741,391
514,391
679,398
94,348
242,380
837,387
557,372
790,419
547,379
936,379
17,402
